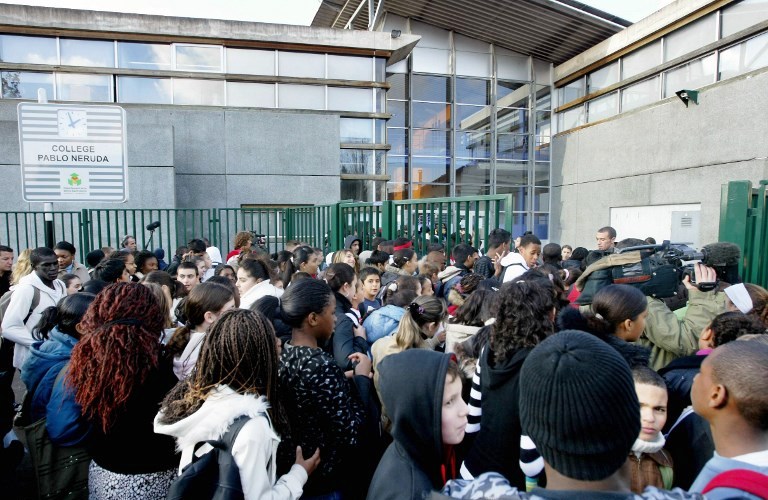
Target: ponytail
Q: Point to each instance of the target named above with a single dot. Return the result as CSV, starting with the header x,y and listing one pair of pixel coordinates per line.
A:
x,y
423,310
65,316
48,321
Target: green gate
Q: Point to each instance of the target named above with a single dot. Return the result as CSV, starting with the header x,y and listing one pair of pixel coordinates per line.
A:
x,y
744,221
21,230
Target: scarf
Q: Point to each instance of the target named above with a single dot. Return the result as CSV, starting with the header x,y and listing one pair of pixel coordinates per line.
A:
x,y
641,446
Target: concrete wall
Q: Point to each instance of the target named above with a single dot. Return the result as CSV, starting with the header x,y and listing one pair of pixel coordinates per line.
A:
x,y
198,157
661,154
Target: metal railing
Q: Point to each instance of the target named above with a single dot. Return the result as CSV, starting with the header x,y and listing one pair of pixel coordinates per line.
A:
x,y
744,221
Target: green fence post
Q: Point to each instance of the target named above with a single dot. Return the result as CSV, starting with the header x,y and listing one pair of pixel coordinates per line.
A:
x,y
508,208
85,233
735,202
756,263
336,225
388,219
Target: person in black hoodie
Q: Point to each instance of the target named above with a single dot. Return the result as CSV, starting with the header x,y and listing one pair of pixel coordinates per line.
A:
x,y
348,337
525,314
422,391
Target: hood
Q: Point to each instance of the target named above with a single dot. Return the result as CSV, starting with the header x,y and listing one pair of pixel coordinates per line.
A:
x,y
351,239
389,311
389,268
213,418
159,253
411,385
34,280
634,354
44,355
215,254
500,373
448,273
513,258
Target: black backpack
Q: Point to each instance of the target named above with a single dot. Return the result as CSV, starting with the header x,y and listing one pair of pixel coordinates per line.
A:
x,y
215,475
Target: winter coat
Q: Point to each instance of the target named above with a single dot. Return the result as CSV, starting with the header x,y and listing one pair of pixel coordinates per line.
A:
x,y
449,278
351,239
412,384
14,327
514,265
344,341
390,274
258,291
645,470
65,424
382,322
456,334
254,449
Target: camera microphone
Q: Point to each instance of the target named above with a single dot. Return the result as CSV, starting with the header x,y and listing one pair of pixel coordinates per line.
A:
x,y
153,225
721,254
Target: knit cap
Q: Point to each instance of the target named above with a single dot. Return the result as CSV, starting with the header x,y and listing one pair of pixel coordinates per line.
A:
x,y
578,404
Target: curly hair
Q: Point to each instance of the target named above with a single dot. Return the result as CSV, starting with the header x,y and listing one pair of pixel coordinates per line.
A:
x,y
119,348
523,312
239,351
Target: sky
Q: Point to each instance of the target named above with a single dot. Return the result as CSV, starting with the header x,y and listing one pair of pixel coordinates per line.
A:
x,y
298,12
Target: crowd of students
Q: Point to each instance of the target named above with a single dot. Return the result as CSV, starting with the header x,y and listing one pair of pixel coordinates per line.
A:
x,y
381,373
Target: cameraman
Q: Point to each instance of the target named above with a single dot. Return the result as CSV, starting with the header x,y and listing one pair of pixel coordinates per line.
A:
x,y
669,337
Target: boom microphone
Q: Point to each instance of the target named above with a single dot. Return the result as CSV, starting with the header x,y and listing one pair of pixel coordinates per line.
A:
x,y
721,254
153,225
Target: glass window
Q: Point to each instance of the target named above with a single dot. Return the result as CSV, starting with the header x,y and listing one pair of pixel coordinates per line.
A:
x,y
397,191
541,150
603,107
79,87
380,97
574,117
422,191
473,144
362,190
541,225
198,92
399,67
344,99
519,202
741,15
431,88
144,90
28,49
380,68
362,162
642,59
397,168
543,123
472,91
470,190
541,174
398,138
251,62
746,56
512,67
430,170
198,58
691,37
301,96
473,117
252,95
143,56
87,53
603,77
427,60
473,172
512,95
473,64
399,112
300,64
512,147
350,68
540,199
431,142
431,115
572,91
380,130
693,75
24,85
640,94
543,98
356,130
512,173
511,120
398,87
431,36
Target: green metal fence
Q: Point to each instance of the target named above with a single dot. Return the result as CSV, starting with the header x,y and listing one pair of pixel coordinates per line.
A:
x,y
440,220
744,221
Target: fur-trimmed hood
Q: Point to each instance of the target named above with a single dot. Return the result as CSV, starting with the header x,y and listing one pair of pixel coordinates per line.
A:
x,y
213,418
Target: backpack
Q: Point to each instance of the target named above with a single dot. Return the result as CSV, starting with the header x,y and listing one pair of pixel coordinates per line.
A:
x,y
215,475
5,301
745,480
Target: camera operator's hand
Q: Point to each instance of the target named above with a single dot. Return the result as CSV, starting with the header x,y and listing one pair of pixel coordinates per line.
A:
x,y
703,274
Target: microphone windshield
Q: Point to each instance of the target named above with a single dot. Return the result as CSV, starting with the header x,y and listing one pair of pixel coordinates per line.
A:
x,y
153,225
721,254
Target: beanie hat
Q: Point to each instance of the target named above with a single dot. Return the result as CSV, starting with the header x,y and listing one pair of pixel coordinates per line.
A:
x,y
578,404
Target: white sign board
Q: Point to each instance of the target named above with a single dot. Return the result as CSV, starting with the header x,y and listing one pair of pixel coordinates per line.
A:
x,y
73,153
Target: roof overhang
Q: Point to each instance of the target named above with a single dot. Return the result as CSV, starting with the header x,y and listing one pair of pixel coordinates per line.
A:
x,y
551,30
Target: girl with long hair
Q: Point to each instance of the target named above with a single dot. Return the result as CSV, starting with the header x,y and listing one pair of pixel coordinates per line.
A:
x,y
120,377
404,262
346,256
303,260
384,321
349,334
202,307
253,282
322,410
236,377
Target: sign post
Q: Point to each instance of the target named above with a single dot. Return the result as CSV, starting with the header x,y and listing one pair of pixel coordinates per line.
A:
x,y
72,153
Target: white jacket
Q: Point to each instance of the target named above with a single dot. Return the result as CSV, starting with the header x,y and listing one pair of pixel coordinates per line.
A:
x,y
185,362
258,291
254,449
515,265
14,328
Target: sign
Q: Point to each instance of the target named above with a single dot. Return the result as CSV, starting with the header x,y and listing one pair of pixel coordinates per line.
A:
x,y
72,153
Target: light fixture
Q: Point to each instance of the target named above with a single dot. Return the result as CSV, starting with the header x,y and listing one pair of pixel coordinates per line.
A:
x,y
686,95
396,33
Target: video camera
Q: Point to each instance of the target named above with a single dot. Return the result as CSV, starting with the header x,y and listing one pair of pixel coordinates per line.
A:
x,y
259,239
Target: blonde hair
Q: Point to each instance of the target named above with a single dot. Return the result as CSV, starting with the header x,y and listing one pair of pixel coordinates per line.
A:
x,y
22,267
338,258
422,310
